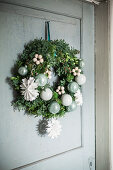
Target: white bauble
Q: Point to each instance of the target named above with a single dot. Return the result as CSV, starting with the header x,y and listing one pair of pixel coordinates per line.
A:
x,y
81,79
46,94
66,99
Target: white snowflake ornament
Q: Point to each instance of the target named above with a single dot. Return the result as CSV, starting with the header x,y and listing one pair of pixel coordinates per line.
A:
x,y
54,128
29,90
78,97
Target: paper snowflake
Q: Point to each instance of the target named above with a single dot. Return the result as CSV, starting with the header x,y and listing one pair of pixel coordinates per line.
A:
x,y
78,97
29,90
53,128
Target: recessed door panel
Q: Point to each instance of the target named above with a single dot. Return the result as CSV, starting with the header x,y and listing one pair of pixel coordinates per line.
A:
x,y
20,143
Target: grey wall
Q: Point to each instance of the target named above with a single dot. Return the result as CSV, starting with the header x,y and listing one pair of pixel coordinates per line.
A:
x,y
102,87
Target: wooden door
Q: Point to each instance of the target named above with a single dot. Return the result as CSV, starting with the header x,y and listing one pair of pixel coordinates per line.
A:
x,y
20,145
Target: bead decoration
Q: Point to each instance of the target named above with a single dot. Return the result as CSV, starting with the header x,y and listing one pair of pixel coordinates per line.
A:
x,y
48,72
38,59
76,71
60,90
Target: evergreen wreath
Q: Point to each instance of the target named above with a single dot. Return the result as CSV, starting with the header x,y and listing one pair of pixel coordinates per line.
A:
x,y
37,64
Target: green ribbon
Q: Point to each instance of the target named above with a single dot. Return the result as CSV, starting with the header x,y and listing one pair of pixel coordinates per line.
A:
x,y
47,31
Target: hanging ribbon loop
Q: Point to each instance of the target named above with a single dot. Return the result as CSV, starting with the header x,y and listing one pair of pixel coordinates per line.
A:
x,y
47,31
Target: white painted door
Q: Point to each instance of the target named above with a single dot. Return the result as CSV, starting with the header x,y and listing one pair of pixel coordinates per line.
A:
x,y
20,145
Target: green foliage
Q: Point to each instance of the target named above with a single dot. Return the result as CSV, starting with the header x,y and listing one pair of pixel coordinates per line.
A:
x,y
57,55
55,95
70,77
16,82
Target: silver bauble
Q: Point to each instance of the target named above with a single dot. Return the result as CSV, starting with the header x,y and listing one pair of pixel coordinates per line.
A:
x,y
73,87
54,107
22,71
72,107
41,79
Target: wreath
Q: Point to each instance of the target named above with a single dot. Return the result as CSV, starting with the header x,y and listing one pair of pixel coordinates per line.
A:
x,y
40,61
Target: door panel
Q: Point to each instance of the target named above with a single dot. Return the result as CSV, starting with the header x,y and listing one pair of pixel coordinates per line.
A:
x,y
67,161
68,31
19,142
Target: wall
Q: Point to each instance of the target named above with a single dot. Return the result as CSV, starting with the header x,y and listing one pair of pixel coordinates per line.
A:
x,y
102,86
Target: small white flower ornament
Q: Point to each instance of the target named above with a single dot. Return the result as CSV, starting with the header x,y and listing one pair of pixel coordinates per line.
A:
x,y
78,97
38,59
53,128
60,90
76,71
48,72
28,88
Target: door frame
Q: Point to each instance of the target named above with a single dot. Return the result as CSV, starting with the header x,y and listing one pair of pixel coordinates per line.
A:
x,y
102,84
110,24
